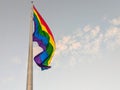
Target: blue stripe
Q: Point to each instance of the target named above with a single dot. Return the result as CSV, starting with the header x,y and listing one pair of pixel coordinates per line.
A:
x,y
41,38
43,56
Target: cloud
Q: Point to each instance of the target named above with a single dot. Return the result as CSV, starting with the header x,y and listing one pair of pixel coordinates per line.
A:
x,y
88,40
87,28
75,45
115,21
112,37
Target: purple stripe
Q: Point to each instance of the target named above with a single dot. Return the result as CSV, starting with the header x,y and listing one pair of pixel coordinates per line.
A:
x,y
40,43
37,60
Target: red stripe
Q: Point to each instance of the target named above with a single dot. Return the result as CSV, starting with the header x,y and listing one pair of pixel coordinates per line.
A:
x,y
43,22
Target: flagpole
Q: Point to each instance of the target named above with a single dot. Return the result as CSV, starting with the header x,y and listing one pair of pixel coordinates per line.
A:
x,y
29,85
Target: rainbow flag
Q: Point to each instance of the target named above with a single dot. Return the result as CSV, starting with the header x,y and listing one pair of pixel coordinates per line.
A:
x,y
43,36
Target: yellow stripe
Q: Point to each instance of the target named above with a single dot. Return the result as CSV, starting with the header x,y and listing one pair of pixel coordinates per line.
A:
x,y
50,58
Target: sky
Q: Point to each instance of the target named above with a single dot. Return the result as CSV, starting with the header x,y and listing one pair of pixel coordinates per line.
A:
x,y
87,35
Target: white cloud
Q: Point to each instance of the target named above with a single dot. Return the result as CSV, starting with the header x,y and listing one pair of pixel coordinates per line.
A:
x,y
75,45
112,32
93,46
92,33
61,46
87,28
66,39
112,37
88,40
95,30
115,21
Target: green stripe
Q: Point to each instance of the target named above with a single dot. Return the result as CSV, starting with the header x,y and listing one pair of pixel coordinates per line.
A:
x,y
49,50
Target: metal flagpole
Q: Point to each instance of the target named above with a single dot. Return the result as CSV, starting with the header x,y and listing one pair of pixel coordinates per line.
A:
x,y
29,85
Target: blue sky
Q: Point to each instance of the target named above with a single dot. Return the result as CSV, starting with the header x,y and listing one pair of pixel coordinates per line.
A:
x,y
87,34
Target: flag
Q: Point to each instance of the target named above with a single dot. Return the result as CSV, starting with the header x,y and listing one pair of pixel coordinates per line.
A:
x,y
44,37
